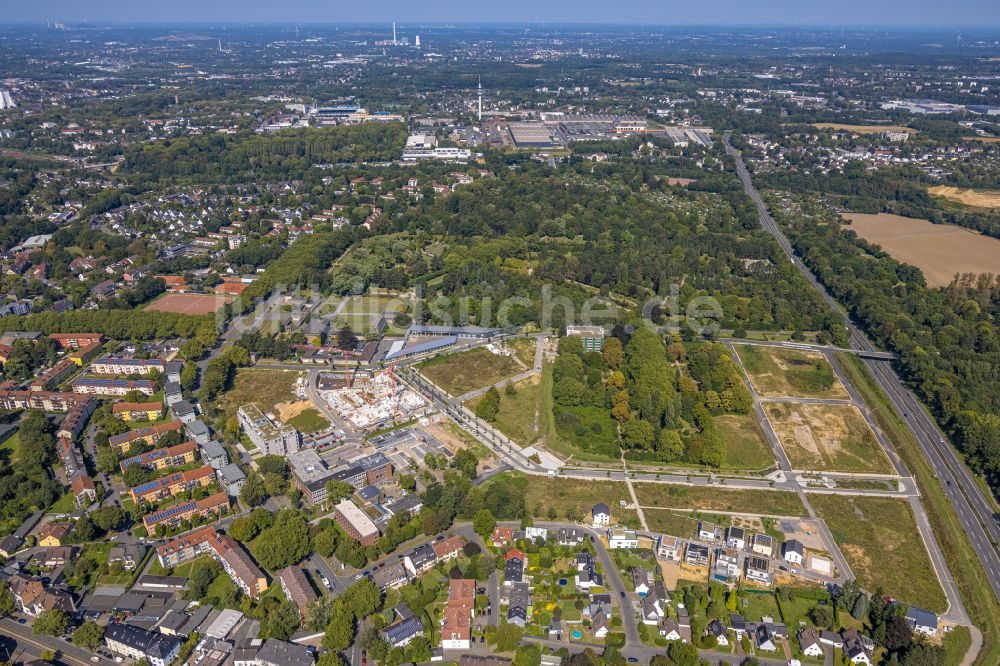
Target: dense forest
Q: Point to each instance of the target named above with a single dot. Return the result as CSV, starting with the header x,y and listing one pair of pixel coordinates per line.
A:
x,y
661,399
946,338
119,324
608,233
248,157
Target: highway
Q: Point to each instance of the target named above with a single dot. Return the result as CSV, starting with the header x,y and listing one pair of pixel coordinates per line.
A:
x,y
974,510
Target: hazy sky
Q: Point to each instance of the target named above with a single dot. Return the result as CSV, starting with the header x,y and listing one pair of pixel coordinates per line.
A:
x,y
979,13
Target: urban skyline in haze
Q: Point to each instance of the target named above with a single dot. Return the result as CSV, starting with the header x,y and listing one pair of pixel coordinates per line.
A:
x,y
922,13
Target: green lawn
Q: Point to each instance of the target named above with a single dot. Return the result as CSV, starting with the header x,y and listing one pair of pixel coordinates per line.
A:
x,y
571,498
745,445
675,523
879,538
763,502
778,372
309,420
219,586
467,371
10,448
597,441
518,415
264,387
184,569
65,504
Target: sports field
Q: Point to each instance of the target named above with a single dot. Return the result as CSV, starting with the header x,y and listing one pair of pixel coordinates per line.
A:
x,y
939,250
190,304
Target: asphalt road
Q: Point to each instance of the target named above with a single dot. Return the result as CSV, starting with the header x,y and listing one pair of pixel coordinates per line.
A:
x,y
68,653
973,508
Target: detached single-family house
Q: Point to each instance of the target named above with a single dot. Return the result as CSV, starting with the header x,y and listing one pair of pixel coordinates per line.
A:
x,y
794,552
502,536
599,624
621,537
697,554
53,534
669,548
669,629
650,610
532,533
763,544
709,531
857,647
641,581
738,624
809,643
922,621
600,515
717,629
758,570
404,631
736,538
765,638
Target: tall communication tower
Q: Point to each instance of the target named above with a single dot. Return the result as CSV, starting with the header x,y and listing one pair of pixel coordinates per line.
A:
x,y
480,89
394,33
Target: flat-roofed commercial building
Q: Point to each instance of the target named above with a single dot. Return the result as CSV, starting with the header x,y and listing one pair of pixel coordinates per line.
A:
x,y
592,337
356,523
309,475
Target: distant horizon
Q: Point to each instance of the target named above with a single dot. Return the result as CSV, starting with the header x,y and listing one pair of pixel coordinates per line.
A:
x,y
401,24
968,14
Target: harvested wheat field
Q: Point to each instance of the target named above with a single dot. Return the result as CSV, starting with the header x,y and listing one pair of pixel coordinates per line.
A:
x,y
834,438
865,129
968,197
939,250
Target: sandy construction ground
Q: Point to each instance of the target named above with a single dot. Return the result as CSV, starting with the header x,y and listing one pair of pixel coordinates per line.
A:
x,y
939,250
289,410
819,437
969,197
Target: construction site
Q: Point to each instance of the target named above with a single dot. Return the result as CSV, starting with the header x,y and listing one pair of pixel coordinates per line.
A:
x,y
367,403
